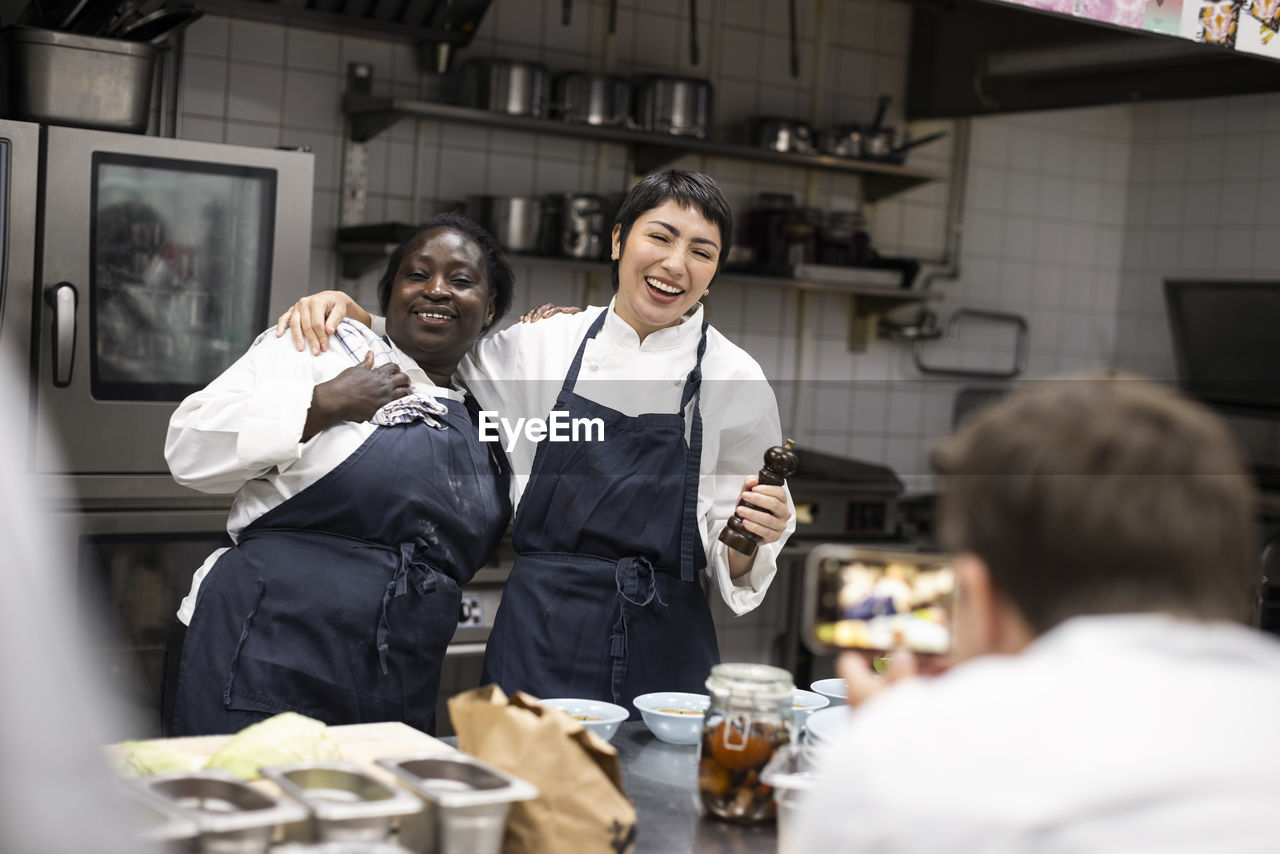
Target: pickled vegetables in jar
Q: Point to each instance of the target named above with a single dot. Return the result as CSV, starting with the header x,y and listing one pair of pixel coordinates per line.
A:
x,y
748,720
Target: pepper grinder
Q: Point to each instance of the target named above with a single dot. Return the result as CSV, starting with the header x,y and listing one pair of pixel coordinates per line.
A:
x,y
779,462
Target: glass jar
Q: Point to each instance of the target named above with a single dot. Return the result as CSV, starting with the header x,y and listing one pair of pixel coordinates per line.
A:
x,y
748,719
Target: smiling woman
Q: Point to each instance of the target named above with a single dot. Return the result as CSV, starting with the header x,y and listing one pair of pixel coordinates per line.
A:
x,y
342,590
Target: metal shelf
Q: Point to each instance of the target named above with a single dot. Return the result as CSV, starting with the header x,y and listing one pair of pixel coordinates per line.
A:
x,y
875,290
370,115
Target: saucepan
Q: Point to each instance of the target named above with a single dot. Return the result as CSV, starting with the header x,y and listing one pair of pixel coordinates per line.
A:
x,y
782,134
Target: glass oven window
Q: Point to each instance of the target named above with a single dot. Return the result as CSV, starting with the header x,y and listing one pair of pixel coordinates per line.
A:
x,y
180,271
132,584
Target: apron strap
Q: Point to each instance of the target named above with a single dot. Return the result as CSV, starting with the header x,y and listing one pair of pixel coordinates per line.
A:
x,y
690,542
571,378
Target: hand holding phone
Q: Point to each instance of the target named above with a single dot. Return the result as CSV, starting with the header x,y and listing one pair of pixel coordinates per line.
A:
x,y
878,600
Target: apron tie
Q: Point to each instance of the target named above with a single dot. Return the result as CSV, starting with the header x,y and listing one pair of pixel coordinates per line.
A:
x,y
413,569
637,589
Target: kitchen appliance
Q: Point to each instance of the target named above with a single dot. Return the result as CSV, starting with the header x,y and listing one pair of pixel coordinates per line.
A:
x,y
136,269
159,262
514,221
593,99
675,105
583,231
511,86
76,80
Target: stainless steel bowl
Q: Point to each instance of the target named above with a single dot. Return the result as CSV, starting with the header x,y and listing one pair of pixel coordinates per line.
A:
x,y
780,134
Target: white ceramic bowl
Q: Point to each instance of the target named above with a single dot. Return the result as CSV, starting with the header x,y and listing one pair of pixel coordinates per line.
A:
x,y
673,716
833,690
596,715
825,724
803,704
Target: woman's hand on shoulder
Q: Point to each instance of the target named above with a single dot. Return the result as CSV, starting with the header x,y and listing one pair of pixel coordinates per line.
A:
x,y
314,318
546,310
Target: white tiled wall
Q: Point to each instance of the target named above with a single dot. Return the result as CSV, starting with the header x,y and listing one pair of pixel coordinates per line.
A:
x,y
1204,200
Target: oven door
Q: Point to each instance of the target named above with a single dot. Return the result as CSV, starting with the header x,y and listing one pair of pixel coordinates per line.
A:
x,y
19,156
133,569
159,261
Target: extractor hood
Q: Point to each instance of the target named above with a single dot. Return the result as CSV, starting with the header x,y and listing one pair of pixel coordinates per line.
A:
x,y
972,58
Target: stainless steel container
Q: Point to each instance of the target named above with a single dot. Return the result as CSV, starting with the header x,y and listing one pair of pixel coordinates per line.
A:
x,y
232,816
509,86
593,99
583,230
466,803
674,105
158,822
514,221
82,81
345,803
786,135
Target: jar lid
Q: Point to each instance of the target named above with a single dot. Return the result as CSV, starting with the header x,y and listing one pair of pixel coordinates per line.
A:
x,y
762,681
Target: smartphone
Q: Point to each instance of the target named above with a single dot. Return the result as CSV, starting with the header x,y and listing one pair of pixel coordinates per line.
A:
x,y
878,600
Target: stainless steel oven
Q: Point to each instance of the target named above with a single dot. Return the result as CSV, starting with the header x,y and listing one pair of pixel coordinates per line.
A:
x,y
158,261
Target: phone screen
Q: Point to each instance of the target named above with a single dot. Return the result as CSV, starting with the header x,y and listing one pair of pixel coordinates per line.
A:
x,y
879,600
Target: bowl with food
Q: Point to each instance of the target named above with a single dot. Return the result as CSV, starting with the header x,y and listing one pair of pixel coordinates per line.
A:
x,y
803,704
596,715
673,716
833,689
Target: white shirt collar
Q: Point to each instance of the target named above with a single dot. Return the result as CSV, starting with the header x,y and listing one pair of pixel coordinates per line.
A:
x,y
618,331
419,377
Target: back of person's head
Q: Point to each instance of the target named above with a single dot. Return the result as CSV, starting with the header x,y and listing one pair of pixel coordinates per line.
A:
x,y
688,189
497,268
1102,494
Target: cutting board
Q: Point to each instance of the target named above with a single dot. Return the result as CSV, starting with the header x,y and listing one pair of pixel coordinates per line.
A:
x,y
359,743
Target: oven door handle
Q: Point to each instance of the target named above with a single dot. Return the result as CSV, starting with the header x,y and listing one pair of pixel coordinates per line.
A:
x,y
64,298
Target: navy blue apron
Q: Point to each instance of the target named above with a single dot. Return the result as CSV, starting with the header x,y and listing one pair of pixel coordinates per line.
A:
x,y
339,603
604,599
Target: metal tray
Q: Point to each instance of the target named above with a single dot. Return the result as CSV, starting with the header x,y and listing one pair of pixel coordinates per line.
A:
x,y
345,802
232,816
466,802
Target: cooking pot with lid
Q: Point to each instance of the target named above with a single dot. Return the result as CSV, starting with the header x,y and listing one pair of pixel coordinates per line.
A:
x,y
511,86
593,99
674,105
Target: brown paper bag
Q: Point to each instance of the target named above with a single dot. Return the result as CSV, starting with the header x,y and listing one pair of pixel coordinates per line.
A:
x,y
582,807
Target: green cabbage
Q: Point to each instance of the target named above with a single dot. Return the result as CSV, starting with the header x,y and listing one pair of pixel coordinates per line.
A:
x,y
281,740
143,758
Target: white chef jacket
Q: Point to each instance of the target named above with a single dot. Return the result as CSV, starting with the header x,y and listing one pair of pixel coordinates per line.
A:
x,y
243,432
518,371
1108,735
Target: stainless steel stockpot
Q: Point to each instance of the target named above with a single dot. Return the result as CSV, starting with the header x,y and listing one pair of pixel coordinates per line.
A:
x,y
593,99
674,105
511,86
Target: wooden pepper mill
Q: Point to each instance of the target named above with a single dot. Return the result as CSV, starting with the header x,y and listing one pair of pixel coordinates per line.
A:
x,y
779,462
